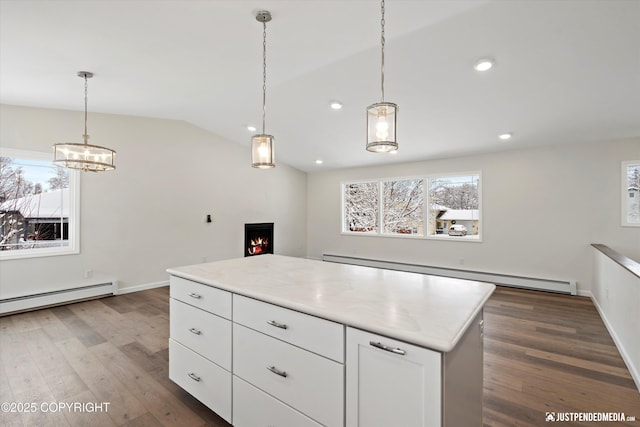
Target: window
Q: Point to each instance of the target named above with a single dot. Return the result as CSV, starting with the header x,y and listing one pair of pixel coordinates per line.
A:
x,y
439,207
630,193
454,206
39,206
403,207
360,202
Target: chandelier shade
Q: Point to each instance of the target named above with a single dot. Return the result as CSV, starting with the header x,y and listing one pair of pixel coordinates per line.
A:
x,y
262,155
84,156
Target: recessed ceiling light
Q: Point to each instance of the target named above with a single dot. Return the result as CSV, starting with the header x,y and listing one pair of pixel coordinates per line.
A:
x,y
505,136
335,105
319,162
484,64
251,128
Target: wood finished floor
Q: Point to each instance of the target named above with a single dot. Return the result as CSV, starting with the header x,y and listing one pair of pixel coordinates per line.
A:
x,y
543,353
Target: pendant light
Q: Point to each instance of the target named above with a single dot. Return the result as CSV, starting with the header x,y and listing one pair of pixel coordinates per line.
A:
x,y
382,116
85,156
262,156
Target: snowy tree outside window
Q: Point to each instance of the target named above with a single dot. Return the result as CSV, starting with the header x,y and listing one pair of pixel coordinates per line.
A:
x,y
631,193
403,207
360,201
38,206
437,207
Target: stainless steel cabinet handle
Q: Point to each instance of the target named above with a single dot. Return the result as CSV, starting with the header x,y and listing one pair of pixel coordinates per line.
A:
x,y
388,348
276,324
193,376
195,331
194,295
277,371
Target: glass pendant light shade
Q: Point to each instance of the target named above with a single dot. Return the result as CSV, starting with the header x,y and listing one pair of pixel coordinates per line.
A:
x,y
381,127
262,156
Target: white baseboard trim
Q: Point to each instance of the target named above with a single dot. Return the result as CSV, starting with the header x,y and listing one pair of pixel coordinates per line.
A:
x,y
625,356
585,293
138,288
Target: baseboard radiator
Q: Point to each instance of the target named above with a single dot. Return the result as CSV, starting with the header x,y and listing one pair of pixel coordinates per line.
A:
x,y
47,299
558,286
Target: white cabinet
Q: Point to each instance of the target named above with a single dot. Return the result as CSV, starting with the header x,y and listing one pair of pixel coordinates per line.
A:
x,y
391,383
200,343
253,408
258,364
312,384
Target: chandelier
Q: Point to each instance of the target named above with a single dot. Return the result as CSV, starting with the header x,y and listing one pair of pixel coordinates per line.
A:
x,y
84,156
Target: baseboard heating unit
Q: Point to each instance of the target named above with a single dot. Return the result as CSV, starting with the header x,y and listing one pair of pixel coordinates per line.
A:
x,y
47,299
559,286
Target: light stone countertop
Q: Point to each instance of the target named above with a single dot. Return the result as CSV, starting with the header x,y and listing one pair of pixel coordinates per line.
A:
x,y
429,311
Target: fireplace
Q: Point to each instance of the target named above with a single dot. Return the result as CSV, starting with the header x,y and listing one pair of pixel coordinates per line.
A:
x,y
258,239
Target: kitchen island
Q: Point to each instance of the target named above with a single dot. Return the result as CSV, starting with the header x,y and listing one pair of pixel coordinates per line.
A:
x,y
275,340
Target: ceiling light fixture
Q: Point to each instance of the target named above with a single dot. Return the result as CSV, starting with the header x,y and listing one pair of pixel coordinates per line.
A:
x,y
262,144
85,156
484,64
505,136
382,116
319,162
251,128
336,105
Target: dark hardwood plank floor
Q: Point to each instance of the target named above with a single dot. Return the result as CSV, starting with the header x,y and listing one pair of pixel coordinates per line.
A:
x,y
543,353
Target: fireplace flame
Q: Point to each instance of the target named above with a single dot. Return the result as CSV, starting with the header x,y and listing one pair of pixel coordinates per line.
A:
x,y
258,245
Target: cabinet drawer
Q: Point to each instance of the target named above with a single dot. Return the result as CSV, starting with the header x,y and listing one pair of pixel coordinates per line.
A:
x,y
205,333
204,380
252,407
309,332
310,383
208,298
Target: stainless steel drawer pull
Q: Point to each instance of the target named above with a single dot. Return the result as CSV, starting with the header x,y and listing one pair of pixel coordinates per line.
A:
x,y
277,371
276,324
394,350
195,331
194,376
194,295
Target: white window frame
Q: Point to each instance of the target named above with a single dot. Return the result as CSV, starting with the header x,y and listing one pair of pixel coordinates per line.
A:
x,y
425,189
73,246
624,194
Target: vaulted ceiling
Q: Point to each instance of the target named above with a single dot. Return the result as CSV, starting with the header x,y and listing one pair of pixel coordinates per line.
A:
x,y
566,71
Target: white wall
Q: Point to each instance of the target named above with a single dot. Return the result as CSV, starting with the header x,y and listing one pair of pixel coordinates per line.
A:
x,y
149,214
542,208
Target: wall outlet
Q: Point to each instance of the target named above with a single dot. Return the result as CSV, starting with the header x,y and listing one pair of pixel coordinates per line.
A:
x,y
461,261
88,274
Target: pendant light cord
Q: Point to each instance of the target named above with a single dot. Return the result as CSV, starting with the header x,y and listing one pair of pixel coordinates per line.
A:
x,y
382,41
86,86
264,74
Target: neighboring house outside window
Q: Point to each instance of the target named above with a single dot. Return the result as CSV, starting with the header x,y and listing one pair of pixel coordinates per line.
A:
x,y
630,193
39,206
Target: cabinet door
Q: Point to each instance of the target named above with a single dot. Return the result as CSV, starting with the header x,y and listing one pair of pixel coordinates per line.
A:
x,y
391,383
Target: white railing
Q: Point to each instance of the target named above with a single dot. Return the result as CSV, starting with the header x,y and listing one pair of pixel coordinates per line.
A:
x,y
616,295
